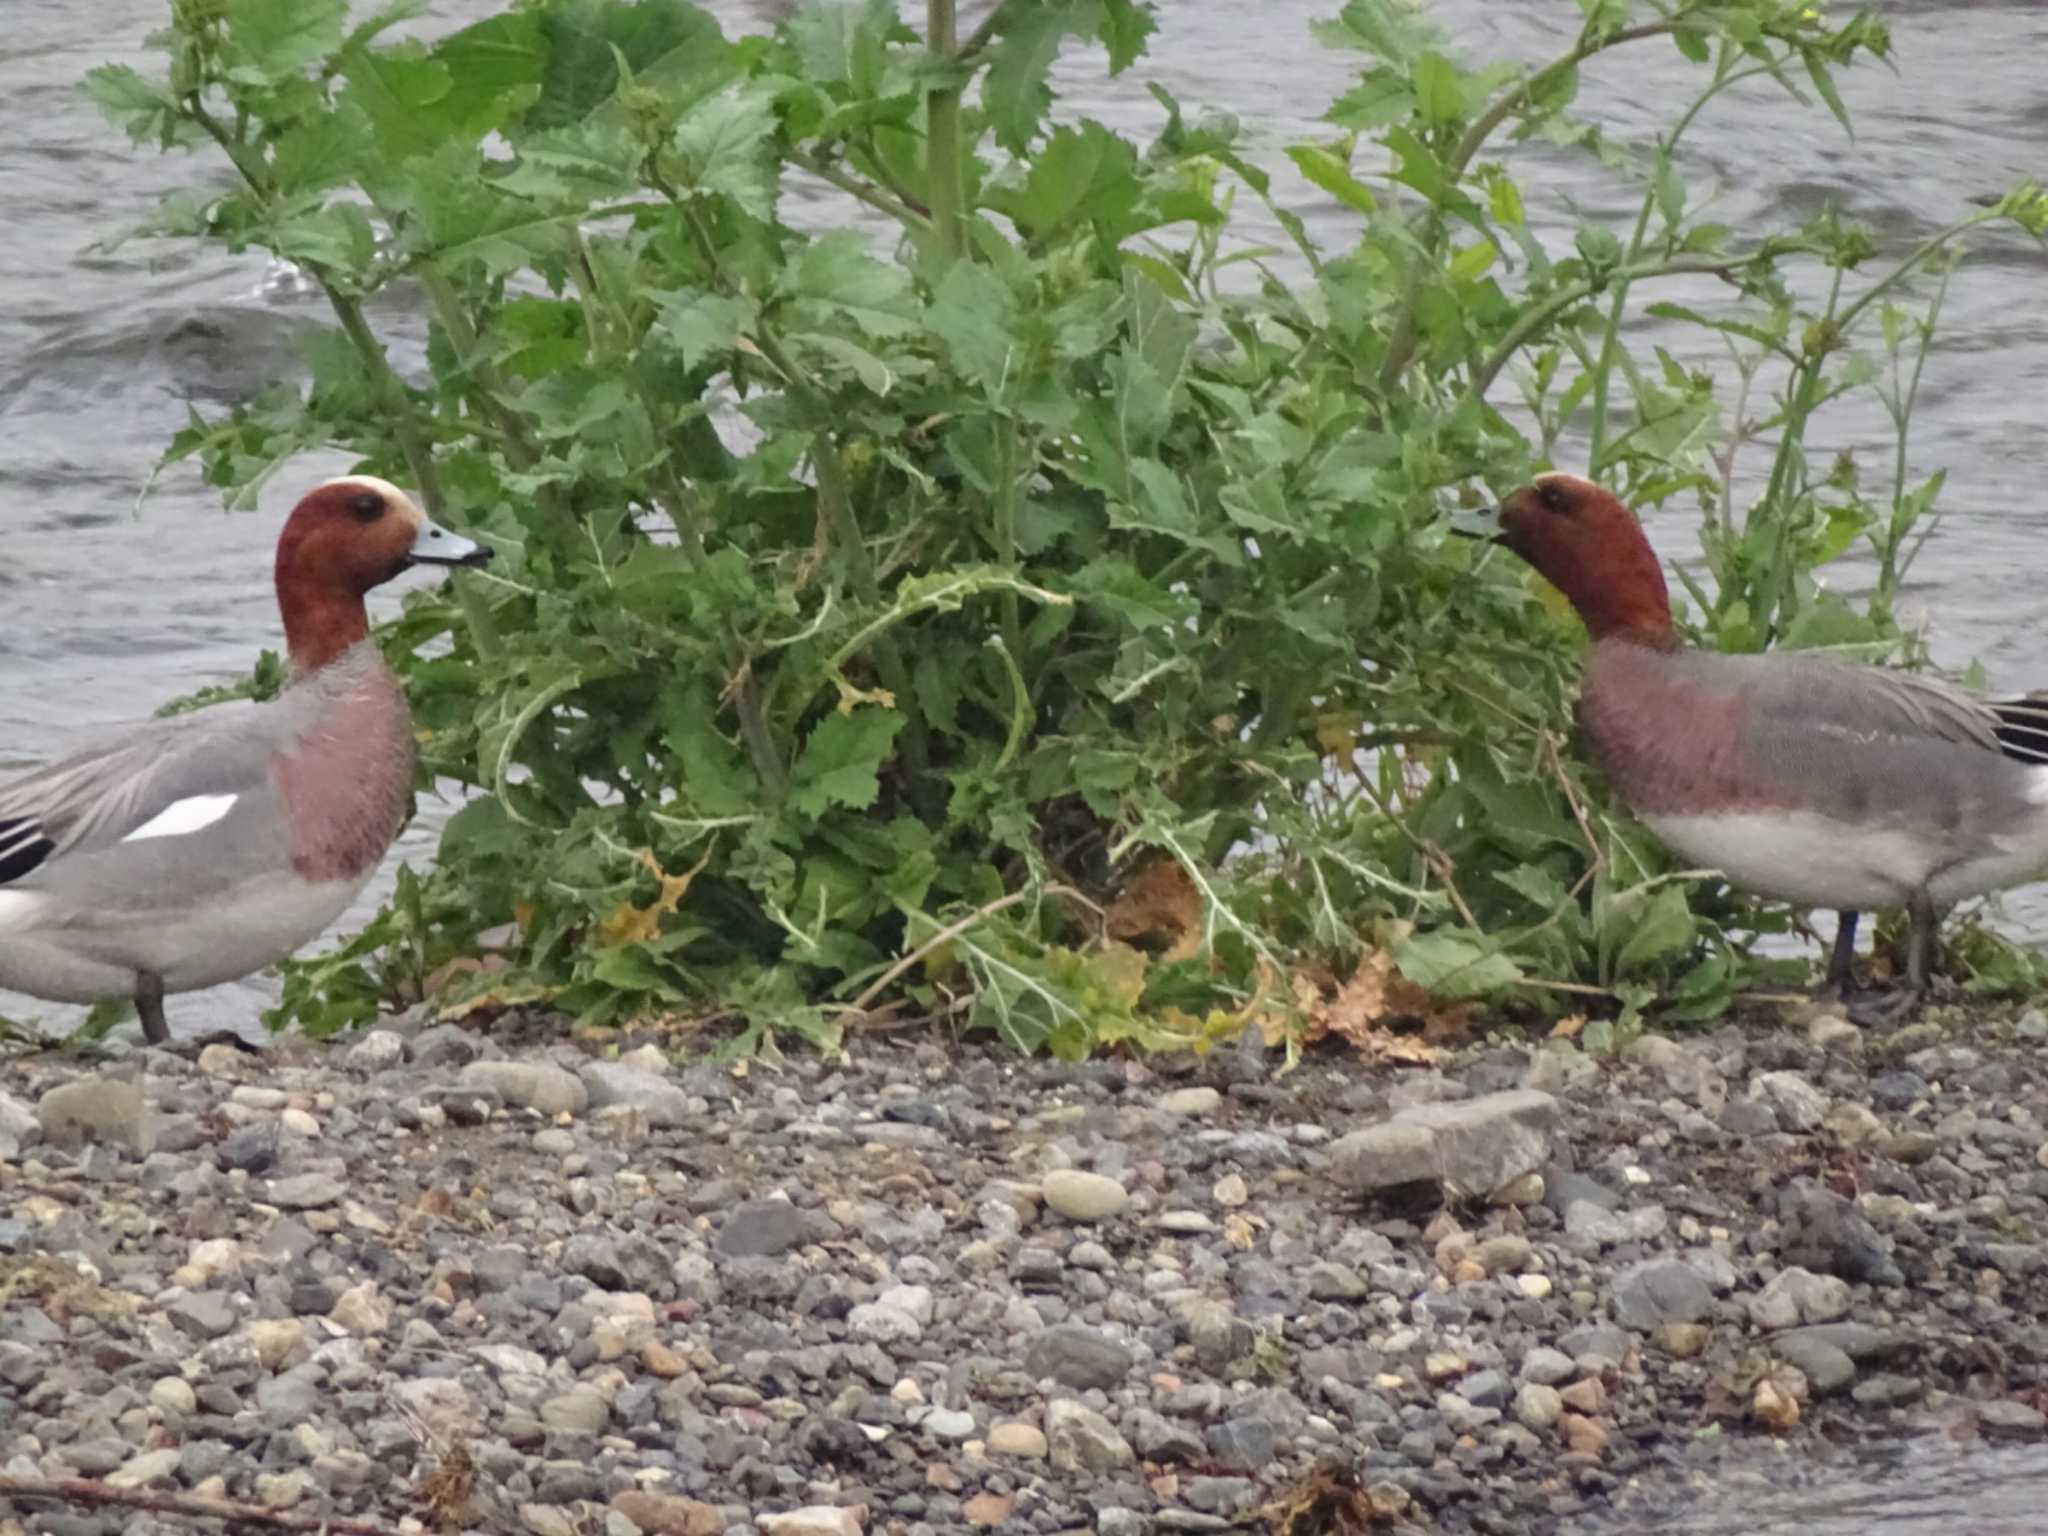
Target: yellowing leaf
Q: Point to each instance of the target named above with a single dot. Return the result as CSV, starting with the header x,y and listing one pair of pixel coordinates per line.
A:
x,y
1568,1028
628,924
1159,909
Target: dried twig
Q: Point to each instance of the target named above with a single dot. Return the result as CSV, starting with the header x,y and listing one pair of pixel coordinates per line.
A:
x,y
193,1506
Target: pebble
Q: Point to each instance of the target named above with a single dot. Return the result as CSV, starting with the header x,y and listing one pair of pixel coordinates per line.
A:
x,y
96,1111
532,1085
1082,1196
1014,1438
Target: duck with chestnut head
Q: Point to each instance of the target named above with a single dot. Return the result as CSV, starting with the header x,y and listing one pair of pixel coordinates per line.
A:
x,y
188,852
1801,779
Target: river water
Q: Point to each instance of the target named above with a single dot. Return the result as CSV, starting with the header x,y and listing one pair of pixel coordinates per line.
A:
x,y
114,601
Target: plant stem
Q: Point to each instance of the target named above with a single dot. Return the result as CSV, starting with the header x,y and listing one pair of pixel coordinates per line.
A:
x,y
916,220
942,130
1402,340
1537,319
1610,337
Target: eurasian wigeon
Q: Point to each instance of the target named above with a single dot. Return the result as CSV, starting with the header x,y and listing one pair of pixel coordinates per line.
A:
x,y
1801,779
188,852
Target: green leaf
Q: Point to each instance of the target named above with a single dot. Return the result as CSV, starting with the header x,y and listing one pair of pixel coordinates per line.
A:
x,y
714,775
584,41
703,325
1125,28
399,90
1659,927
1333,176
1014,90
1824,82
973,313
136,106
834,277
272,39
844,40
841,761
1085,173
1381,97
727,144
1391,29
1670,188
1437,94
1454,964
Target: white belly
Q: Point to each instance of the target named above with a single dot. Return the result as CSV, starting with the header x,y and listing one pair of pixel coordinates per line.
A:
x,y
1807,859
77,957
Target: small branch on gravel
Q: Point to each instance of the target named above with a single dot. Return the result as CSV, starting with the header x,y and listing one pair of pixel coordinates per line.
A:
x,y
193,1506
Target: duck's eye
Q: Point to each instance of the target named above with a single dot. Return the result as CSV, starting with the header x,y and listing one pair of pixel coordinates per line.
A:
x,y
367,507
1553,498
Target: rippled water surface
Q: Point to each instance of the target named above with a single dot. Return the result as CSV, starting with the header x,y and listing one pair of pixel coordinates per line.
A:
x,y
109,609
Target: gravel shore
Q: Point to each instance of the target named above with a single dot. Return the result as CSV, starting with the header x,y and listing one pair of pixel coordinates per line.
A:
x,y
434,1280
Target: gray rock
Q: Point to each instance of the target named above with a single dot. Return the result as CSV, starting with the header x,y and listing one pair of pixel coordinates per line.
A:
x,y
1592,1226
378,1051
203,1315
1797,1296
1484,1389
1082,1196
883,1324
1158,1438
102,1111
1220,1495
2014,1420
1798,1105
763,1228
97,1455
1748,1118
1537,1406
617,1263
529,1085
445,1045
1547,1366
1660,1291
1082,1440
1473,1147
1331,1281
1077,1356
665,1103
1886,1390
1242,1444
19,1126
1828,1370
1825,1233
1563,1187
1859,1341
580,1410
1218,1334
306,1191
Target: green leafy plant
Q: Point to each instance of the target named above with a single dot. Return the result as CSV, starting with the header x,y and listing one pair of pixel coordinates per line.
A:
x,y
1032,606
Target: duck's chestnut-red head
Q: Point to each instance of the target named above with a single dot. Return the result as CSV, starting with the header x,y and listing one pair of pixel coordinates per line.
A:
x,y
342,539
1591,548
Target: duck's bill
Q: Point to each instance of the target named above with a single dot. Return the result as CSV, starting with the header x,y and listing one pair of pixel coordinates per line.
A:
x,y
1475,522
434,545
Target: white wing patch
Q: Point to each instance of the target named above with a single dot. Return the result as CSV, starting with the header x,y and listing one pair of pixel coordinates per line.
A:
x,y
181,818
18,910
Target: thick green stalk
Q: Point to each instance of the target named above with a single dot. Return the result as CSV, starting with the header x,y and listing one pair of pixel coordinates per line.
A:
x,y
942,130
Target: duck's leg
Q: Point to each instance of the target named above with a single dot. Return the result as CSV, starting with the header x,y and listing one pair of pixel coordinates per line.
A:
x,y
149,1007
1882,1010
1841,979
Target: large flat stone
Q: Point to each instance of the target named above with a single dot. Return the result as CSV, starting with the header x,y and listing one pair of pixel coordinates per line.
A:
x,y
1472,1147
